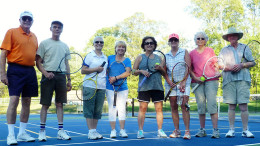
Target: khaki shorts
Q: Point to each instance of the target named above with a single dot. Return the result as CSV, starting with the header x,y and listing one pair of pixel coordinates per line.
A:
x,y
236,92
206,96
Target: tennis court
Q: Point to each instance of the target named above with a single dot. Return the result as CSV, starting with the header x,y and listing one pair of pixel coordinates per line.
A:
x,y
76,126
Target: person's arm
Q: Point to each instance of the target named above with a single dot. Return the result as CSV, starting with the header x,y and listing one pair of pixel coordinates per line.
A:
x,y
3,75
87,70
136,70
68,75
41,69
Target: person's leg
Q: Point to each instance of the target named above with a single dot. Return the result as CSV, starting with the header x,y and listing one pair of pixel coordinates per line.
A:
x,y
121,107
111,109
231,115
214,119
185,113
25,112
43,116
11,113
175,112
159,114
244,115
59,111
141,114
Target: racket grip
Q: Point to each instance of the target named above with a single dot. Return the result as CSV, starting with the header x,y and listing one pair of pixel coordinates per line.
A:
x,y
115,98
142,82
194,88
103,64
167,95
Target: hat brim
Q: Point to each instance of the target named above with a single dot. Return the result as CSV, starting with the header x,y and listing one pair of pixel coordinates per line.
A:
x,y
225,37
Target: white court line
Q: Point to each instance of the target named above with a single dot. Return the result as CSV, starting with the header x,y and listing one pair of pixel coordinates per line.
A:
x,y
248,144
82,134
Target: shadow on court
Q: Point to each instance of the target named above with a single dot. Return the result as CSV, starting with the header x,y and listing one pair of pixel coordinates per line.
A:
x,y
75,124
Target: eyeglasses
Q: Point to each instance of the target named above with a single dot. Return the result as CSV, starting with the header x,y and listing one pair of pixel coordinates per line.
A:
x,y
173,40
99,42
200,38
27,18
149,43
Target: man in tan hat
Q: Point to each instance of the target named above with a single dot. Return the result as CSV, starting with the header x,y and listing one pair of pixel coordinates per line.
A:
x,y
236,79
19,49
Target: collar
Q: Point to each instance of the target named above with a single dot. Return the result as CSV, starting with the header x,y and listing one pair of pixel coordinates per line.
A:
x,y
23,32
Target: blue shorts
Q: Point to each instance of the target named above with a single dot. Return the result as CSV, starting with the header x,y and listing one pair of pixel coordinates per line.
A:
x,y
22,80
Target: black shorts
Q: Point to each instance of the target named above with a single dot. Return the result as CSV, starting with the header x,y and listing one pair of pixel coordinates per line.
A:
x,y
155,95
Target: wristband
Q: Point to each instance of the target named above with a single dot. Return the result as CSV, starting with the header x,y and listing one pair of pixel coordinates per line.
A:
x,y
244,65
116,78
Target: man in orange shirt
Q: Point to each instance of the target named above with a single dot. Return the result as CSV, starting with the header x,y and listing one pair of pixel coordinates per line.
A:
x,y
19,49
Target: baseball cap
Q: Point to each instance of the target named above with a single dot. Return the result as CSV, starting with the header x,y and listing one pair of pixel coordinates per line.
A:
x,y
26,13
174,35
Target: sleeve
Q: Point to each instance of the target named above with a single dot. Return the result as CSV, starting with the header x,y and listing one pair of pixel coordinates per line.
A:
x,y
248,54
127,63
68,52
7,42
40,50
87,60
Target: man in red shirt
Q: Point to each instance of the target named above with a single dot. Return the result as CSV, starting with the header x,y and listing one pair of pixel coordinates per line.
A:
x,y
19,49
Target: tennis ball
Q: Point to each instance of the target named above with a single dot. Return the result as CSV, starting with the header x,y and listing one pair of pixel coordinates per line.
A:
x,y
157,63
202,78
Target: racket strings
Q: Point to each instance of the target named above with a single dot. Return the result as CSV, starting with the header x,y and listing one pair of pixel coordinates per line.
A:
x,y
213,67
179,72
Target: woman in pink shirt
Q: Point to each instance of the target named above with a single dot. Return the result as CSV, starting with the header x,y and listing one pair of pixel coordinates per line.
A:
x,y
206,93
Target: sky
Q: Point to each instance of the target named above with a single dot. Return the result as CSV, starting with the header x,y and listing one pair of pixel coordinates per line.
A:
x,y
82,18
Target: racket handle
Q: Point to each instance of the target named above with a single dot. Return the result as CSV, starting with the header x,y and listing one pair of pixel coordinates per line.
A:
x,y
194,88
103,64
115,98
168,94
142,82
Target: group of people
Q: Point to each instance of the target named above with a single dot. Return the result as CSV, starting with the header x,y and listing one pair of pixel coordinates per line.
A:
x,y
20,49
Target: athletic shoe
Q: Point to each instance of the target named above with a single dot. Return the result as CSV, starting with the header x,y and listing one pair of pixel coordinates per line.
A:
x,y
42,135
175,134
231,133
247,134
122,133
92,135
113,134
25,137
161,134
201,133
215,133
187,134
11,140
63,135
140,134
99,136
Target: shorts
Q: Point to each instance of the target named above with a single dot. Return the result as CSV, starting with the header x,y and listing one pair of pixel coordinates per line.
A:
x,y
22,80
236,92
206,95
92,108
155,95
57,84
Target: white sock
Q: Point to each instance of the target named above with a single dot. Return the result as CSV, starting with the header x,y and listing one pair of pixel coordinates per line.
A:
x,y
10,129
92,130
22,127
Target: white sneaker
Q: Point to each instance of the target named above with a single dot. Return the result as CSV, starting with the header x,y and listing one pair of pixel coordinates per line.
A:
x,y
42,135
247,134
113,134
123,133
25,137
140,134
99,136
231,133
63,135
92,135
11,140
161,134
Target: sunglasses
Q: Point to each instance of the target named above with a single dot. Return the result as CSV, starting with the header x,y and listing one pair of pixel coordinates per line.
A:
x,y
27,18
200,38
149,43
99,42
173,40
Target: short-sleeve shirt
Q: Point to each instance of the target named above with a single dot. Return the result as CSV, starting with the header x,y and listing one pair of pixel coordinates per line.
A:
x,y
198,60
127,63
234,56
52,52
92,60
171,61
21,47
154,82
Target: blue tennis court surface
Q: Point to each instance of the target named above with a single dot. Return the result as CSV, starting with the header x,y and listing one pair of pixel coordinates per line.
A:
x,y
75,124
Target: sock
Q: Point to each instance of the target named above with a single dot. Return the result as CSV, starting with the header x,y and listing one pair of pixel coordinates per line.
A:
x,y
22,127
42,127
60,126
10,129
92,130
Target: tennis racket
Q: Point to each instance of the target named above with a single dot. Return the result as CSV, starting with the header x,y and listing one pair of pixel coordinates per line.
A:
x,y
254,46
75,64
180,72
152,62
116,68
213,68
79,88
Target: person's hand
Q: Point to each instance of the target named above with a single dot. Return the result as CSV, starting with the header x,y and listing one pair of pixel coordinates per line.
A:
x,y
100,69
69,86
198,80
237,67
49,75
4,79
158,67
112,80
182,86
145,73
171,83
